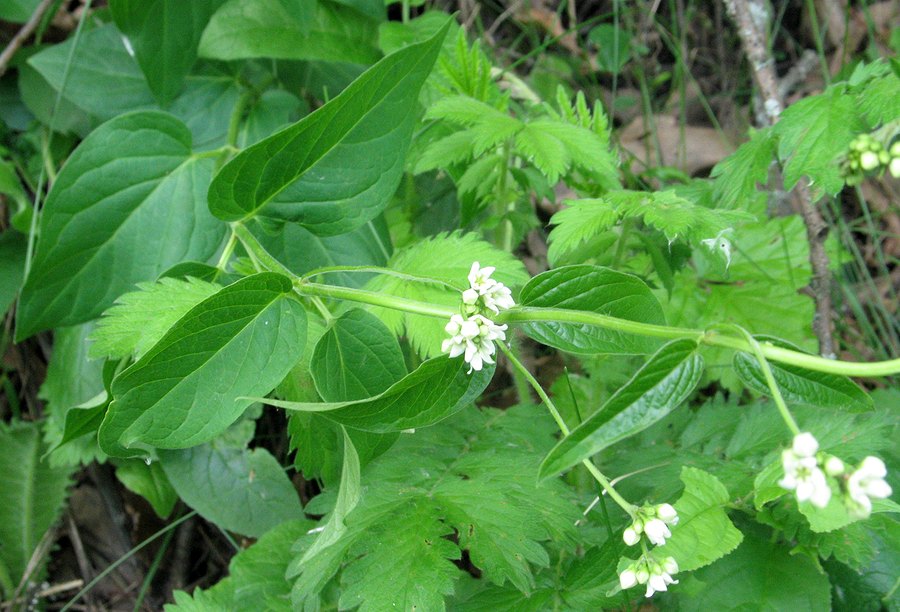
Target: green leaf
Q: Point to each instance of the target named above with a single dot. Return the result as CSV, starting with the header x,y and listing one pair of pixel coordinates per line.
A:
x,y
813,133
446,258
664,382
594,289
273,111
12,266
33,495
139,319
770,580
241,490
835,514
435,390
801,386
281,29
358,357
17,11
337,168
184,391
738,174
164,35
703,533
878,99
132,173
148,481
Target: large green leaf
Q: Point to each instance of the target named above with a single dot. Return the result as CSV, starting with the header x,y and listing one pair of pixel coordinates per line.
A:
x,y
186,389
108,221
12,266
594,289
337,168
801,386
703,533
666,380
358,357
33,494
164,35
17,11
285,29
241,490
435,390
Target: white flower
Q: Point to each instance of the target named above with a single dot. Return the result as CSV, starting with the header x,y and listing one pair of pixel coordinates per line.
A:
x,y
495,296
657,531
469,297
661,577
628,578
631,537
473,337
667,513
480,278
867,482
802,475
670,565
834,466
805,445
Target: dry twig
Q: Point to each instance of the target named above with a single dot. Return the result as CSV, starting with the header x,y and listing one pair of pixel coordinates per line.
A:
x,y
23,34
751,17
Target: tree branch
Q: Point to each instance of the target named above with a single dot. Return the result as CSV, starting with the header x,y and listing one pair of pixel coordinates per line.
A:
x,y
23,34
752,19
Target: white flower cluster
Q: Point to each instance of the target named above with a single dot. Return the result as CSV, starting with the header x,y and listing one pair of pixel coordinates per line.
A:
x,y
657,575
473,336
653,523
804,474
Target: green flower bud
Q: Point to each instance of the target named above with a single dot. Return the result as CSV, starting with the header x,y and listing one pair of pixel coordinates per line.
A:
x,y
868,160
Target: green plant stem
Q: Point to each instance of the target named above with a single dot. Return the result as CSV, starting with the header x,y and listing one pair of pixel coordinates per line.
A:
x,y
770,379
596,473
550,315
227,251
151,571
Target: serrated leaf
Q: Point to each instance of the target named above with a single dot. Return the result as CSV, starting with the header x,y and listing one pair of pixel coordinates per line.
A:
x,y
798,385
164,35
435,390
593,289
132,173
33,495
878,99
703,533
356,358
664,382
813,133
800,585
337,168
446,258
280,29
140,318
238,489
738,174
241,341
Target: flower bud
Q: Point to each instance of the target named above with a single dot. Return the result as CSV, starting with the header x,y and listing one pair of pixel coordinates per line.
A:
x,y
657,531
642,575
805,445
894,167
631,537
670,565
628,579
834,466
868,160
667,513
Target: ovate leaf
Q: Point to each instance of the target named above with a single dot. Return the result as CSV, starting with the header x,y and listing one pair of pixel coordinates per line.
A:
x,y
33,494
148,481
801,386
185,390
140,318
593,289
164,35
107,223
703,533
435,390
241,490
337,168
664,382
358,357
284,29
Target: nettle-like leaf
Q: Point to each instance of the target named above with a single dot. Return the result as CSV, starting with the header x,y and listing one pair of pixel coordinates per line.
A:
x,y
673,215
812,134
335,169
738,174
33,495
474,476
704,533
447,258
309,30
665,381
878,98
132,175
140,318
592,289
256,576
243,340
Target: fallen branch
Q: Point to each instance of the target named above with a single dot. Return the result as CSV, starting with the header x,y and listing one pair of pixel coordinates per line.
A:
x,y
23,34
